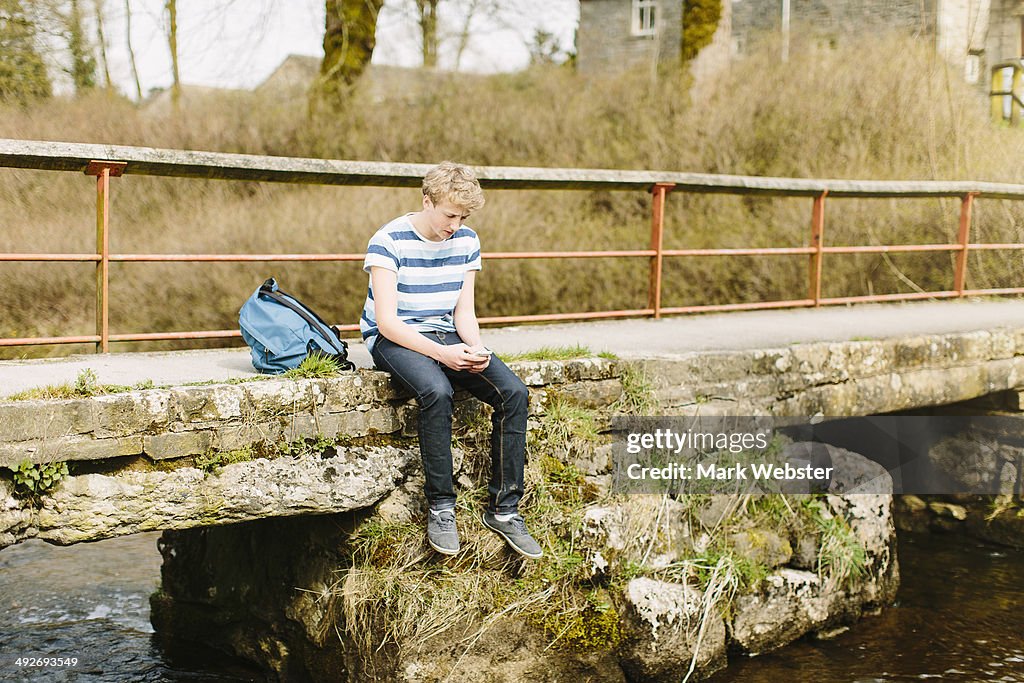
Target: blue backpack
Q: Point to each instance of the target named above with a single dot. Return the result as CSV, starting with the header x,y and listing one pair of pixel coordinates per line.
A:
x,y
281,331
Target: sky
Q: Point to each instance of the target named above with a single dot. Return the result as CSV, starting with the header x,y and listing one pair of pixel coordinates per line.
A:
x,y
238,43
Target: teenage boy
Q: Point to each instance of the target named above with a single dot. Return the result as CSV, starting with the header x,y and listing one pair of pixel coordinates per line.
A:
x,y
420,325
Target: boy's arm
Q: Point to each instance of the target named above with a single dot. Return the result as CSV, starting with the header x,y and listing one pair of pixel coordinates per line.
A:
x,y
385,304
465,312
466,323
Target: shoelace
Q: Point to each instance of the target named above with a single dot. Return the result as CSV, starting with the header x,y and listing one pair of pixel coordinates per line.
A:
x,y
445,520
519,524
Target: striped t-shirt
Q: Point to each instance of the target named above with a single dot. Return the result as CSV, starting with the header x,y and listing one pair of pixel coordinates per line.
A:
x,y
430,275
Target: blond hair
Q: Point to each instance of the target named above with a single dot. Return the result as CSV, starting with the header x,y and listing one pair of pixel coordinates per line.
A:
x,y
453,183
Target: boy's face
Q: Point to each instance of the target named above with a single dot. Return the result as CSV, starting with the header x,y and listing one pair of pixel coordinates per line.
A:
x,y
443,219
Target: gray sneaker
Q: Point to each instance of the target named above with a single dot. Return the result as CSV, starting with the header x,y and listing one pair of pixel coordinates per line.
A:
x,y
441,533
515,534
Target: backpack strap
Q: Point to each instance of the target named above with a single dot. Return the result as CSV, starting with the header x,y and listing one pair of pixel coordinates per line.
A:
x,y
310,316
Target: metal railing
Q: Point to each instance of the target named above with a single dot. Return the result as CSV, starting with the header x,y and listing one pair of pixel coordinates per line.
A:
x,y
107,162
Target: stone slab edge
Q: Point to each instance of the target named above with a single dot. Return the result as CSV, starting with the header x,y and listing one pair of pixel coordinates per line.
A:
x,y
95,506
191,420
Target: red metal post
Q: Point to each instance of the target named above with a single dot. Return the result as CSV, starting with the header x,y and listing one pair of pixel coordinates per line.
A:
x,y
963,239
657,238
103,170
817,243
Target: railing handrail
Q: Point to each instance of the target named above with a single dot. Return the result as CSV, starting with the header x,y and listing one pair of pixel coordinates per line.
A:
x,y
76,156
111,161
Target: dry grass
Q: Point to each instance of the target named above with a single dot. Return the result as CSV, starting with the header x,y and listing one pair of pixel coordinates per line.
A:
x,y
884,110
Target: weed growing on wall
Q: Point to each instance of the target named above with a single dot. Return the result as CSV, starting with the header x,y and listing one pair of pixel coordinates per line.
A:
x,y
32,480
86,384
315,366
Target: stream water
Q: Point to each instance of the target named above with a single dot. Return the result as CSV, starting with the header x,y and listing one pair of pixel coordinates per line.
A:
x,y
90,602
959,617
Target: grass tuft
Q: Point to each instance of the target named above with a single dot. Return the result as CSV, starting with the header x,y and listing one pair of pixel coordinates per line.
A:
x,y
85,385
638,397
550,353
841,558
315,366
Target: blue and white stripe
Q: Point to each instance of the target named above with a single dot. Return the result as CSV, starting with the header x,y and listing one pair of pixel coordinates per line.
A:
x,y
430,275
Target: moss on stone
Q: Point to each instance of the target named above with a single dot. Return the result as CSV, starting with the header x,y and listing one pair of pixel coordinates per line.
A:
x,y
594,625
374,439
213,460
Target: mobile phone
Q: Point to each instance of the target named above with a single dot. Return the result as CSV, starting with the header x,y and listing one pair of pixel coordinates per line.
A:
x,y
483,353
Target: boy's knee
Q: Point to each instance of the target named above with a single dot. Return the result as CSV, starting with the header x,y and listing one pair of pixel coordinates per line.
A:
x,y
437,393
518,398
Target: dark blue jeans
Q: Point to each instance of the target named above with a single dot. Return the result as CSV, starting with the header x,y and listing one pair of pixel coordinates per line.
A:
x,y
434,385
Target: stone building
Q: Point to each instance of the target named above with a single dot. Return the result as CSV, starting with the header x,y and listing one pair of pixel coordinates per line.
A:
x,y
618,34
972,35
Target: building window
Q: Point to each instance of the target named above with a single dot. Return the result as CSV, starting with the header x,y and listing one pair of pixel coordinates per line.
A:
x,y
644,19
972,68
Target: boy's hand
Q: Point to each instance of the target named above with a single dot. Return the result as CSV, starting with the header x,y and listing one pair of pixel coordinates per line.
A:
x,y
461,357
482,360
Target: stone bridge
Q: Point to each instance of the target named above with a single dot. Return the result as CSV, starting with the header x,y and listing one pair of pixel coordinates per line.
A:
x,y
205,446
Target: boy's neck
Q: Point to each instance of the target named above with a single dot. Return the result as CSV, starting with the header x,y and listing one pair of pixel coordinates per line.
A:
x,y
416,220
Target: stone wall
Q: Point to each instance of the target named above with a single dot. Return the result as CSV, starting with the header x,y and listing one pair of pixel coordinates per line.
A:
x,y
834,18
1003,41
134,454
605,42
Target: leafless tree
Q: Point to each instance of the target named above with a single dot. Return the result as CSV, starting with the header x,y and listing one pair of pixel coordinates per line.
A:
x,y
172,43
131,50
350,35
427,19
456,22
102,41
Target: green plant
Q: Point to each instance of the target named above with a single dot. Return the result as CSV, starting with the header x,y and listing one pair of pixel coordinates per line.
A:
x,y
588,624
841,557
314,366
232,381
86,384
700,21
46,392
746,573
565,483
301,448
1001,504
638,396
213,460
550,353
36,479
568,427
